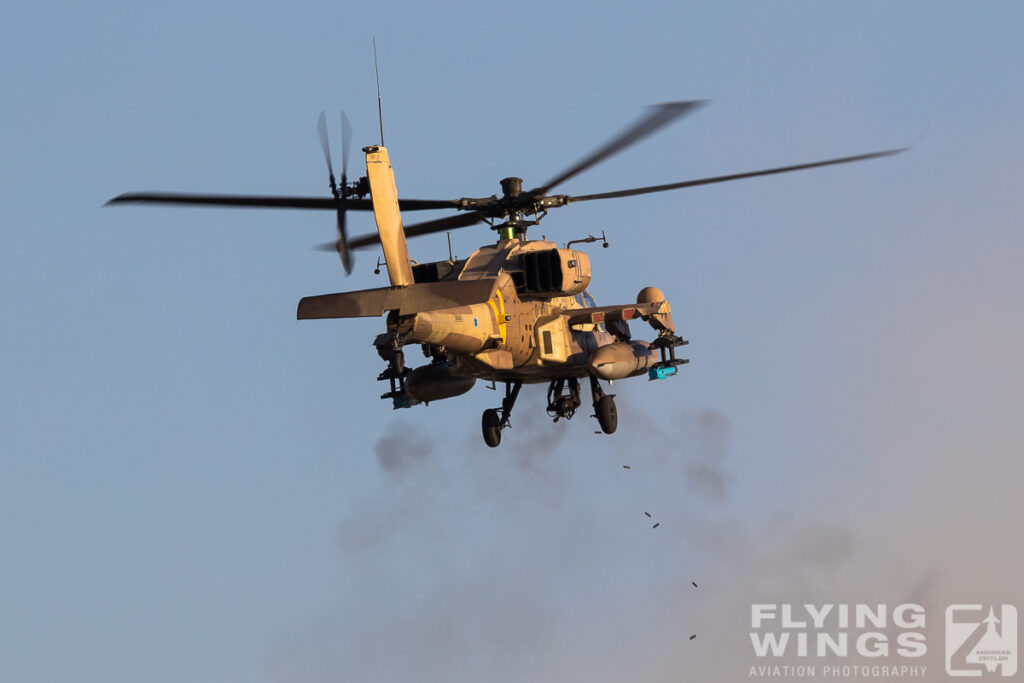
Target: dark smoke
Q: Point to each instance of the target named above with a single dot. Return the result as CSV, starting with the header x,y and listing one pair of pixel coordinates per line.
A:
x,y
697,439
403,449
825,545
705,473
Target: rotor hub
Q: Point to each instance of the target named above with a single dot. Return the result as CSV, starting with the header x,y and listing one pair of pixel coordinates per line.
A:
x,y
511,186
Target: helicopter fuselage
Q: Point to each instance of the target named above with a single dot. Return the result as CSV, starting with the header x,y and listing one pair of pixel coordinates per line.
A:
x,y
538,324
521,330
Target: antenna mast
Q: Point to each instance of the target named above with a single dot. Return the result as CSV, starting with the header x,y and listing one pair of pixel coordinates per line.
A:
x,y
376,72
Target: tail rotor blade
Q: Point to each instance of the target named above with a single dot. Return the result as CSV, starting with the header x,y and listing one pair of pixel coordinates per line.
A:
x,y
342,244
321,128
339,195
346,143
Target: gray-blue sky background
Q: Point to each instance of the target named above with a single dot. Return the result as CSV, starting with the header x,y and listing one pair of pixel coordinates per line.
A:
x,y
196,487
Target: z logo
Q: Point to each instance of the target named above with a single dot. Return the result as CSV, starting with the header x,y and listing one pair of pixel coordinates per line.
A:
x,y
980,641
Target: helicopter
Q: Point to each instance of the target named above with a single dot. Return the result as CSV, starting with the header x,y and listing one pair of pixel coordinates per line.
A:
x,y
516,311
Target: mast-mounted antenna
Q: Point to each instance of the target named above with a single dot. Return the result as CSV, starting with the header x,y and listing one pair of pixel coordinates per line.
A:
x,y
376,72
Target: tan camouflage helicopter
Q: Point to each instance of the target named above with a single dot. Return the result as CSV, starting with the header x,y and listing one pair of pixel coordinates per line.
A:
x,y
516,311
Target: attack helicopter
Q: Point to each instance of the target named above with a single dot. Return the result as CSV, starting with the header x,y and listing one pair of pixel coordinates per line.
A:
x,y
516,311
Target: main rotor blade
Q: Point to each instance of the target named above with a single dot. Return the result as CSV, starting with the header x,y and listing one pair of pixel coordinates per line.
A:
x,y
321,128
272,202
459,220
659,116
735,176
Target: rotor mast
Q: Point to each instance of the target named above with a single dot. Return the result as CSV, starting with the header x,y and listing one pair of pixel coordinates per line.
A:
x,y
511,188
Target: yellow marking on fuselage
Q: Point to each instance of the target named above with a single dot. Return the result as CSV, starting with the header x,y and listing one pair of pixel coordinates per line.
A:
x,y
500,318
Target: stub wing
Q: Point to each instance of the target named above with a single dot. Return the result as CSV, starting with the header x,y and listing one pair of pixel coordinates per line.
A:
x,y
658,314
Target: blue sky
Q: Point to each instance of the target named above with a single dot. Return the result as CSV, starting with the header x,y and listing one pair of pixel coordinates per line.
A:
x,y
192,486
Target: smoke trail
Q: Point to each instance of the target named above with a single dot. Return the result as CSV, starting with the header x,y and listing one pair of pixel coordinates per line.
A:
x,y
402,449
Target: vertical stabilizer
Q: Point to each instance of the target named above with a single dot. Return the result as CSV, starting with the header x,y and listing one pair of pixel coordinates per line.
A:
x,y
389,219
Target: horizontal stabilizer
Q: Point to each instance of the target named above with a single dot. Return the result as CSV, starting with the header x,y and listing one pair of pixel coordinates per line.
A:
x,y
426,296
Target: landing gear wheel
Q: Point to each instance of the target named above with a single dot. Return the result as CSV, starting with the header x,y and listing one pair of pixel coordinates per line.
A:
x,y
491,425
607,416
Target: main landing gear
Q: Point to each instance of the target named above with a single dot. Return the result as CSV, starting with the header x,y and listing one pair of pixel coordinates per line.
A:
x,y
563,401
563,404
494,419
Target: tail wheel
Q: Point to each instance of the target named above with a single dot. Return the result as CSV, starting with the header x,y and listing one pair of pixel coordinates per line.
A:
x,y
491,425
607,416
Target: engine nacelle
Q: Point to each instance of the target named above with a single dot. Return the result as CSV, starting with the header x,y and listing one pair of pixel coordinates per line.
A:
x,y
552,272
434,382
